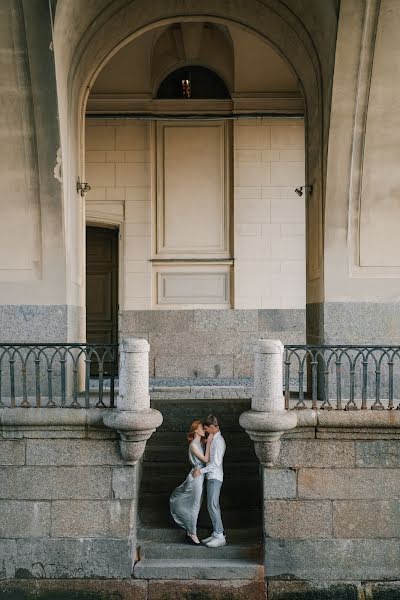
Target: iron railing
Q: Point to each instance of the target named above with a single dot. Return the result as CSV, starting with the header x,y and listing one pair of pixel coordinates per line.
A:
x,y
342,377
63,375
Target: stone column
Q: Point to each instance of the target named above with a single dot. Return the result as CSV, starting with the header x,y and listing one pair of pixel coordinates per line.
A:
x,y
133,418
268,420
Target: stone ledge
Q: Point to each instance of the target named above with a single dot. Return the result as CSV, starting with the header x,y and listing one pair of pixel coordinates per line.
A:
x,y
18,423
314,590
348,418
333,559
206,590
73,589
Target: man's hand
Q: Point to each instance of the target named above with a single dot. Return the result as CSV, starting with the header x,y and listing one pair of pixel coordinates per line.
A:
x,y
196,473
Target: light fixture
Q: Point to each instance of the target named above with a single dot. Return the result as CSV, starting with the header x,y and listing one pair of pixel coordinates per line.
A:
x,y
186,88
82,187
299,190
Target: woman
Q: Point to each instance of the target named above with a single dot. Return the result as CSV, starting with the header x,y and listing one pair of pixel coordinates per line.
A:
x,y
186,499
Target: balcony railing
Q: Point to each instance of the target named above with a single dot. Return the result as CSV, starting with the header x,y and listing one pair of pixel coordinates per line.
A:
x,y
63,375
342,377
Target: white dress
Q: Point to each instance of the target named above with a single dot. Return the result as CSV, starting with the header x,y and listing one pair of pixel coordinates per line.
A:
x,y
185,501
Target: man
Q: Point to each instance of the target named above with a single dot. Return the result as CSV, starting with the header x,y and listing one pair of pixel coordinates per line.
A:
x,y
214,475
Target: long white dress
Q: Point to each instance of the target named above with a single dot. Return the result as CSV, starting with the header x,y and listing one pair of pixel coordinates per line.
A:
x,y
185,501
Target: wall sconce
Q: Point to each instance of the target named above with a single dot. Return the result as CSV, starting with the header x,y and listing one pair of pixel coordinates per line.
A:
x,y
299,190
82,187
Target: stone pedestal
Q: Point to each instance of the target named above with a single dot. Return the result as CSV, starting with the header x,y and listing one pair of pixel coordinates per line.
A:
x,y
268,420
134,420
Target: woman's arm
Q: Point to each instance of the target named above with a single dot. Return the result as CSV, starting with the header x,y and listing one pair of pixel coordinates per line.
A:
x,y
203,457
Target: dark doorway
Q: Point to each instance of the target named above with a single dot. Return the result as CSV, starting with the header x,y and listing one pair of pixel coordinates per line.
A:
x,y
101,286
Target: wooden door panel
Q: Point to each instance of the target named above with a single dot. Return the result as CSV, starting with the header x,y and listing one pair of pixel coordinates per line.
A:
x,y
99,296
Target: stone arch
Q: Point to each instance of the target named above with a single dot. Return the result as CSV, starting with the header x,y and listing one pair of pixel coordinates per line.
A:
x,y
103,30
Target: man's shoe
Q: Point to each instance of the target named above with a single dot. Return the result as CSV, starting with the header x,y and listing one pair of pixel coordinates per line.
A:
x,y
216,542
206,540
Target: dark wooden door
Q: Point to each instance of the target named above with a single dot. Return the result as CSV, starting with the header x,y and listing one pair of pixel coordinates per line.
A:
x,y
101,285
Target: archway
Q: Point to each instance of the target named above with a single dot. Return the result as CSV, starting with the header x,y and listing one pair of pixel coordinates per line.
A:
x,y
97,41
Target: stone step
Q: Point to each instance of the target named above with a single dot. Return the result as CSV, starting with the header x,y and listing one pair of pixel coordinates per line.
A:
x,y
151,550
241,487
160,502
176,534
160,517
234,472
197,569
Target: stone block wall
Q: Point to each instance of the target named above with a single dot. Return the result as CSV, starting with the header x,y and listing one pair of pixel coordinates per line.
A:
x,y
269,216
209,343
331,513
118,169
68,508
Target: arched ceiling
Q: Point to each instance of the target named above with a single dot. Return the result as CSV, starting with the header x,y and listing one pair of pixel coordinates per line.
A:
x,y
246,63
318,17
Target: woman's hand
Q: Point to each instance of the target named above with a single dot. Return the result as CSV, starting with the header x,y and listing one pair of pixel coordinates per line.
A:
x,y
210,438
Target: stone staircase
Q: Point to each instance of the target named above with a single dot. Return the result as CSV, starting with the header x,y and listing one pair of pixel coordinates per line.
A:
x,y
163,551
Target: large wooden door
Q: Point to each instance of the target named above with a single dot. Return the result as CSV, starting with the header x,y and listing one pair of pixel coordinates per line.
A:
x,y
101,285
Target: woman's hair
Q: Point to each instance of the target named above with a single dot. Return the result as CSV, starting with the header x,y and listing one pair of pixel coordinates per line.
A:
x,y
192,431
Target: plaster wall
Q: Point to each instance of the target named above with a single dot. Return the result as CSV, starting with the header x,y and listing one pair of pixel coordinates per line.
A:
x,y
268,218
33,266
361,243
118,169
31,193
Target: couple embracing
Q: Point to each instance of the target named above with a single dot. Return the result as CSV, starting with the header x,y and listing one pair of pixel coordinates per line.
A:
x,y
206,457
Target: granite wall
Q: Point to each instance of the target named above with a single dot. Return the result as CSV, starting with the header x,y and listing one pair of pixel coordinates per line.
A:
x,y
353,323
68,505
209,343
331,513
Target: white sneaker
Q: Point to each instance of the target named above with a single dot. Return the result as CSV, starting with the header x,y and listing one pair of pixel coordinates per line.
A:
x,y
216,542
206,540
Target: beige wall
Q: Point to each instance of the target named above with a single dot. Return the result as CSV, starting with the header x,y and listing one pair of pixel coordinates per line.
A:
x,y
269,215
269,218
118,169
362,252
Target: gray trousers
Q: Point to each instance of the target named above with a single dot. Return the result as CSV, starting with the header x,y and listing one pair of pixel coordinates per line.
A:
x,y
213,492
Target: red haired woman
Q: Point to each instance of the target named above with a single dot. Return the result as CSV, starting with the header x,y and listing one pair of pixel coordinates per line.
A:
x,y
185,501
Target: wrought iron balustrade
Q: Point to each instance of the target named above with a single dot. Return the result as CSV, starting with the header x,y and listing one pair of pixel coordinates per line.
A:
x,y
342,377
51,375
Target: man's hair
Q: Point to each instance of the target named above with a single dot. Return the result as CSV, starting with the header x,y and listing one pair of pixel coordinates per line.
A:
x,y
211,420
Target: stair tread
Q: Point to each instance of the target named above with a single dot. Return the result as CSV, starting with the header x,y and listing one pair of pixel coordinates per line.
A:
x,y
199,562
213,568
183,550
173,534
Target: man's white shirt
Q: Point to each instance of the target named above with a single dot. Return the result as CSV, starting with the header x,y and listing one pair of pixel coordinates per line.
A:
x,y
214,469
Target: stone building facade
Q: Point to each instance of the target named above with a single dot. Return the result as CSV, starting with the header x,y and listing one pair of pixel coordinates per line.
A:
x,y
242,164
